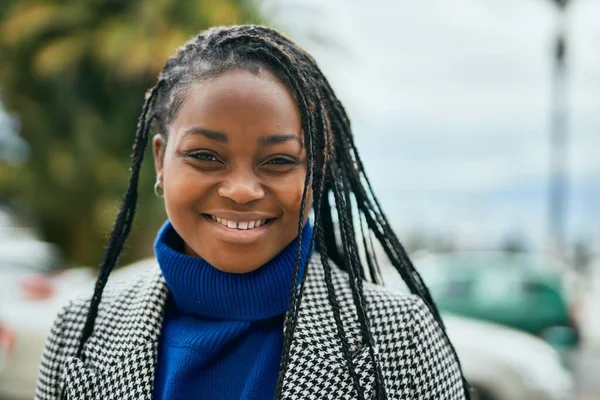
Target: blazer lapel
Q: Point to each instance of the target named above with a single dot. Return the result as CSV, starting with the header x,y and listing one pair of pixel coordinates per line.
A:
x,y
131,377
317,367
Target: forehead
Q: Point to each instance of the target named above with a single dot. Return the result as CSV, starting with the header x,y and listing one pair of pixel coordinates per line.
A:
x,y
240,103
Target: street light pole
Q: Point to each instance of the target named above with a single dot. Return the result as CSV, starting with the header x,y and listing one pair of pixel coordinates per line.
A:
x,y
558,139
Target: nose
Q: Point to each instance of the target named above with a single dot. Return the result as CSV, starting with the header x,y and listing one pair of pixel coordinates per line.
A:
x,y
241,187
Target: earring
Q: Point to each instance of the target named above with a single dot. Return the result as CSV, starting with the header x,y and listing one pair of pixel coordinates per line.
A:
x,y
156,191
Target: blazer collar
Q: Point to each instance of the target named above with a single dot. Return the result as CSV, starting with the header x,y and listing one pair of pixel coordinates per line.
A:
x,y
317,366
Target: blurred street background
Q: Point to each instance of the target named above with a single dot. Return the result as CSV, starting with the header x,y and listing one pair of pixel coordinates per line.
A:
x,y
478,122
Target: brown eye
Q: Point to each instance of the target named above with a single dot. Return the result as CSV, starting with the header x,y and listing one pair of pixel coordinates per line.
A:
x,y
281,161
204,156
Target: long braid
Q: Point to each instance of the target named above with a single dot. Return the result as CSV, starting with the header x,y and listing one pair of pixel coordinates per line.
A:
x,y
356,272
413,276
320,187
356,286
394,249
337,313
376,268
293,313
368,249
422,290
402,263
386,236
333,252
123,221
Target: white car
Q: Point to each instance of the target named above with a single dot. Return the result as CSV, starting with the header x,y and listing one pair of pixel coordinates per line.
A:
x,y
30,319
25,262
501,363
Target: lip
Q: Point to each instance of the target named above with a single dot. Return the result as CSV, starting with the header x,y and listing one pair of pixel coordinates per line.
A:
x,y
239,236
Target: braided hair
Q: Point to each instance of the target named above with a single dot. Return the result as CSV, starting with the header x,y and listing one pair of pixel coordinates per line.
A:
x,y
335,172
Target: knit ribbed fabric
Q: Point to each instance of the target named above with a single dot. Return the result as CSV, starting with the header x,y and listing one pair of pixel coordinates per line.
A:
x,y
222,334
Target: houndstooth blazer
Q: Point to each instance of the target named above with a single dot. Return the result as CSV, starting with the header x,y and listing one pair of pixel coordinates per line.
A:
x,y
120,356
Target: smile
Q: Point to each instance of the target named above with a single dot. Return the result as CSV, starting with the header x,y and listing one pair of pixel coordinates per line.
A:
x,y
240,229
241,225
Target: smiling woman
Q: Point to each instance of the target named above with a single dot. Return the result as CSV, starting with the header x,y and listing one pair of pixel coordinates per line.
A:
x,y
248,300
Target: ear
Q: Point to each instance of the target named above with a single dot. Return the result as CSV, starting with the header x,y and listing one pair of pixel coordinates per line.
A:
x,y
158,148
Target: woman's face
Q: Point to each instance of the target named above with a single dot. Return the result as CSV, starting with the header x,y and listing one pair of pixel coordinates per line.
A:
x,y
233,170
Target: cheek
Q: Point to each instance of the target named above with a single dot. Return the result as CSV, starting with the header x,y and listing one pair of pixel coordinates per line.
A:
x,y
291,197
175,183
182,184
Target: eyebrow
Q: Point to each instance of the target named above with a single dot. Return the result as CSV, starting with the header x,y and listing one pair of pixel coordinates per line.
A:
x,y
264,141
277,139
214,135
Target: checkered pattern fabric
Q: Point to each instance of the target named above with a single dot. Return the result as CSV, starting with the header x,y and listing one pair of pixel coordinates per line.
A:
x,y
416,361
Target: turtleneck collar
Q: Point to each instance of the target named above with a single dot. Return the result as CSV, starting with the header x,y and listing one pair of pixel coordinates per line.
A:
x,y
200,289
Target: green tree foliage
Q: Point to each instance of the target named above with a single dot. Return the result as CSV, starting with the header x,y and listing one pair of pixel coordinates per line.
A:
x,y
75,72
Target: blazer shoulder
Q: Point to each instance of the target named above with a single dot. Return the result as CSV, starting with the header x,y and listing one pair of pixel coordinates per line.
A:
x,y
380,299
125,293
393,313
397,300
130,310
381,302
404,324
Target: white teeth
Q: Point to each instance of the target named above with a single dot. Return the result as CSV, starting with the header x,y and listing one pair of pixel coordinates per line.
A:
x,y
239,225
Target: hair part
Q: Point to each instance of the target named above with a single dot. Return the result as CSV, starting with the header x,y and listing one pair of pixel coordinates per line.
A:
x,y
334,170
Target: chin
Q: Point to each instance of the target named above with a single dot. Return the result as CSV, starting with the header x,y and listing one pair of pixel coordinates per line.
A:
x,y
236,268
235,265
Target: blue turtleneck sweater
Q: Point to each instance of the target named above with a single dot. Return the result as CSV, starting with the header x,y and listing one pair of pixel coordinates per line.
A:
x,y
222,333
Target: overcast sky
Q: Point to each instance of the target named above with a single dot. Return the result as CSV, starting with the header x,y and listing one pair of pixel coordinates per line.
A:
x,y
450,104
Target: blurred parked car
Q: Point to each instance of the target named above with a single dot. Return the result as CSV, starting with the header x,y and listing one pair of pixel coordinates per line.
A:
x,y
519,290
7,343
29,314
502,363
13,149
21,250
590,328
26,267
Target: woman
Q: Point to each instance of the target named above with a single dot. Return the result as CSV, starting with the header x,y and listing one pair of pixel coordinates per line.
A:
x,y
249,300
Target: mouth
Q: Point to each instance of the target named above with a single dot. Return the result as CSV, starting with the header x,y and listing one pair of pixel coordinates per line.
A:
x,y
240,229
247,225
